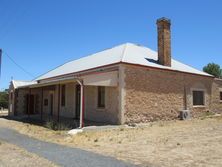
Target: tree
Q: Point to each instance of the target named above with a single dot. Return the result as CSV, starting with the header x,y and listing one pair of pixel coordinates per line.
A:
x,y
4,99
213,69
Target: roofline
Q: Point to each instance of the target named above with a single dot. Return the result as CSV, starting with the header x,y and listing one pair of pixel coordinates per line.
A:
x,y
138,65
165,69
78,73
36,78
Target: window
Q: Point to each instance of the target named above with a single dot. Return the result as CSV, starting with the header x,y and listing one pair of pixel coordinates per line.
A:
x,y
101,97
63,100
46,102
198,98
220,96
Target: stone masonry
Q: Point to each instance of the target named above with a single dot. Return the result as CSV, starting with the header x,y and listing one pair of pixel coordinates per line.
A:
x,y
164,41
216,103
154,94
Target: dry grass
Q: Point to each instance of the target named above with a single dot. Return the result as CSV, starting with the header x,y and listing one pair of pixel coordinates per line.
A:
x,y
14,156
193,143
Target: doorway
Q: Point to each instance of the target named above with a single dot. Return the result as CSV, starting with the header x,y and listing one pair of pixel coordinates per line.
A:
x,y
51,104
78,95
30,104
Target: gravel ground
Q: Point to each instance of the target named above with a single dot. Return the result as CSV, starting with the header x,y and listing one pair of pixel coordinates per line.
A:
x,y
13,156
196,143
61,155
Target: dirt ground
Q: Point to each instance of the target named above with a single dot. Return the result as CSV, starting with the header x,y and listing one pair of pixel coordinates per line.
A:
x,y
13,156
196,142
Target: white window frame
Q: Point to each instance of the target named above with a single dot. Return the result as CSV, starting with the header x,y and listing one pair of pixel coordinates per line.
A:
x,y
204,97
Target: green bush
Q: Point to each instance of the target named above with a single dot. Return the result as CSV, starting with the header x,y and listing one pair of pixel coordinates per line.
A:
x,y
4,99
213,69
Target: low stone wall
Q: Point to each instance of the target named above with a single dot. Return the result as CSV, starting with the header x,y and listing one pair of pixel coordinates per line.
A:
x,y
153,94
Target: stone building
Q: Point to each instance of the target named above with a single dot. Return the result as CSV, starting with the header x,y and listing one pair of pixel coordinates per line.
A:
x,y
125,84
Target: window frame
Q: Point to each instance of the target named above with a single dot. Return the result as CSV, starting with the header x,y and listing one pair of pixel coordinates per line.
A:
x,y
204,98
63,95
99,96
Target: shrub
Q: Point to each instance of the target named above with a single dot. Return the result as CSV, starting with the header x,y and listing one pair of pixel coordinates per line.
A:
x,y
54,125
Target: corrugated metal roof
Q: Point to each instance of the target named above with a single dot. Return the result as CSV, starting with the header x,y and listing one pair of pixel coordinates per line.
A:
x,y
128,53
17,83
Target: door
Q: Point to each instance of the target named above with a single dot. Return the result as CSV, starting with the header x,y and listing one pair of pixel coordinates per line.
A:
x,y
78,94
31,104
36,97
51,104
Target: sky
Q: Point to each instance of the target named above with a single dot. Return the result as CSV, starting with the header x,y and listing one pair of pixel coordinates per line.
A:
x,y
40,35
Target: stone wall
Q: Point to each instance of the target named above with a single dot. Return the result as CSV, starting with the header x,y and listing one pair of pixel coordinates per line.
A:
x,y
110,113
153,94
69,109
21,104
216,103
21,101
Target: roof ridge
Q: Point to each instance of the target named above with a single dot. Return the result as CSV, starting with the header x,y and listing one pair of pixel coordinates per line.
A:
x,y
124,51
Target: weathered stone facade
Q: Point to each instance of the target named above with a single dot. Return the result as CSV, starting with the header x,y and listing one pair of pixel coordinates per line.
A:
x,y
110,113
154,94
143,94
21,102
68,110
216,102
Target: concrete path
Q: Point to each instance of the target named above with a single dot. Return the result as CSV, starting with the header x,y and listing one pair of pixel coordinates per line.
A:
x,y
58,154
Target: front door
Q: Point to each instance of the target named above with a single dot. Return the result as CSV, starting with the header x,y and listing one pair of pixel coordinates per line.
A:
x,y
78,94
51,104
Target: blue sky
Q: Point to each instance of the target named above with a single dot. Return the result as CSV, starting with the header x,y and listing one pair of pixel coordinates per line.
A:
x,y
42,34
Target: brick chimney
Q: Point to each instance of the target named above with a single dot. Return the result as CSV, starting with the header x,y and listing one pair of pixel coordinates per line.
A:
x,y
164,41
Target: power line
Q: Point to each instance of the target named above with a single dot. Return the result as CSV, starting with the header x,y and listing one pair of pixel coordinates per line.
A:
x,y
19,66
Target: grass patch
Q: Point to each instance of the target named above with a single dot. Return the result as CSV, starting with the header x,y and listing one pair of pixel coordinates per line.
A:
x,y
54,125
207,114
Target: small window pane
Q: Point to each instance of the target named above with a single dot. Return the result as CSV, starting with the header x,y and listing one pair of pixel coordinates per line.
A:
x,y
198,98
101,96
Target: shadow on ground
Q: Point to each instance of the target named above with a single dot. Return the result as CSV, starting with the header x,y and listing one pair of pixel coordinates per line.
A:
x,y
51,122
